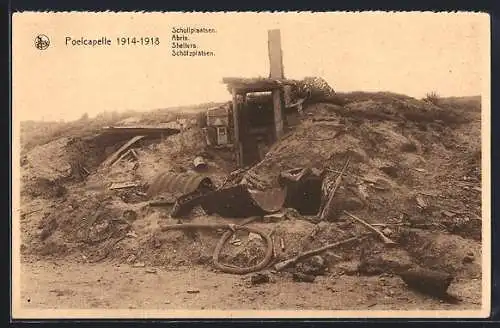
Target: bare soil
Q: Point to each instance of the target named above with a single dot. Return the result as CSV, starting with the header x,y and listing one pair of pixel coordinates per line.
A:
x,y
68,285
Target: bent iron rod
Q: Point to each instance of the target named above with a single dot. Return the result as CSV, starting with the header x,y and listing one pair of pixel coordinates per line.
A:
x,y
231,228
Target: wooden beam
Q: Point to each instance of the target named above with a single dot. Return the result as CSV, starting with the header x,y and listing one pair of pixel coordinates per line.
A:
x,y
236,130
276,72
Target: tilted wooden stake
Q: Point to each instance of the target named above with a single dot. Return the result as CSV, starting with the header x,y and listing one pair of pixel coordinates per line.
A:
x,y
325,211
383,237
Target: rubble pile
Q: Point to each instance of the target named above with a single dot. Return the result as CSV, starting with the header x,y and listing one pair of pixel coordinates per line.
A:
x,y
399,178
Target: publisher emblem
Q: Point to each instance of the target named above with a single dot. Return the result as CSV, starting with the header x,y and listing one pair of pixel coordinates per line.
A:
x,y
42,42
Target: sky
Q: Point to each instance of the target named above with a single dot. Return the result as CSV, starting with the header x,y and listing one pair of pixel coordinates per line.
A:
x,y
408,53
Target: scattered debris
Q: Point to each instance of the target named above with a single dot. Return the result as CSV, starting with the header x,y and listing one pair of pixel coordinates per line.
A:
x,y
387,232
116,155
254,236
131,258
192,291
132,234
421,202
302,277
387,241
123,185
284,264
348,268
236,242
127,153
259,278
365,179
230,229
285,190
331,257
315,266
134,154
448,214
199,163
139,265
388,262
430,282
48,229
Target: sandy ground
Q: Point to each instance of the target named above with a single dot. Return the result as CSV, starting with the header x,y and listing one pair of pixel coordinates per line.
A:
x,y
66,285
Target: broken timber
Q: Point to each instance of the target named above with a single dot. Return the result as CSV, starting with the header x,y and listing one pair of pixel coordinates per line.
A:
x,y
147,131
325,211
116,155
127,153
387,241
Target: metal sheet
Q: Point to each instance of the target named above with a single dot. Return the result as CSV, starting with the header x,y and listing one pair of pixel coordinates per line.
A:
x,y
239,202
269,200
176,183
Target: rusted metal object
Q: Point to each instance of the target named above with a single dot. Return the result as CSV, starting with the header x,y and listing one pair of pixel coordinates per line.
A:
x,y
185,203
179,184
200,163
230,230
239,202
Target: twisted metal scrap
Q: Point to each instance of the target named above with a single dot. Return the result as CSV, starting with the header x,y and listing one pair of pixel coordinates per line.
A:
x,y
231,229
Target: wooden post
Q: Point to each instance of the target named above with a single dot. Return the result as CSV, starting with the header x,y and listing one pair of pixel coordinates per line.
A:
x,y
276,72
236,129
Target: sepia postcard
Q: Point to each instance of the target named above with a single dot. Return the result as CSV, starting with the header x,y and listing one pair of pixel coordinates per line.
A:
x,y
250,165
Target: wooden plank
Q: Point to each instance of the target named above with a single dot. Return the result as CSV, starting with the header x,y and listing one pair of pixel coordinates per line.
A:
x,y
121,157
276,72
246,85
236,130
259,81
114,157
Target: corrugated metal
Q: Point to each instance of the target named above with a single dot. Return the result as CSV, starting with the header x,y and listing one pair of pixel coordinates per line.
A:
x,y
179,184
